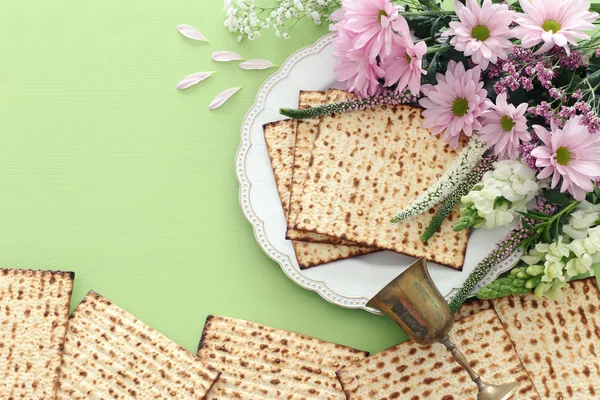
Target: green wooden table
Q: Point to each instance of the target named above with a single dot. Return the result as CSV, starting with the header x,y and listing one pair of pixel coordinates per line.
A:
x,y
108,171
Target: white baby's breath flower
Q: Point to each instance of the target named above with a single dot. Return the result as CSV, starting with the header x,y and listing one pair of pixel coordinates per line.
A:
x,y
243,19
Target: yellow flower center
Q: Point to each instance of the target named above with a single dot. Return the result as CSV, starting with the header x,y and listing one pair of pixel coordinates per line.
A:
x,y
408,58
551,25
460,107
563,156
507,123
382,14
480,32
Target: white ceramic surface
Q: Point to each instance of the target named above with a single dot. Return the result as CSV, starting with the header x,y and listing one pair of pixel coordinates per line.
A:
x,y
347,283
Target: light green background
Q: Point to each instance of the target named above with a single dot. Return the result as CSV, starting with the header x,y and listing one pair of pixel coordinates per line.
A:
x,y
108,171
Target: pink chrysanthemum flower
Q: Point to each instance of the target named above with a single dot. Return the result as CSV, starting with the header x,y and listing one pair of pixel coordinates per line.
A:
x,y
554,22
482,32
360,75
505,127
403,65
571,153
455,104
372,23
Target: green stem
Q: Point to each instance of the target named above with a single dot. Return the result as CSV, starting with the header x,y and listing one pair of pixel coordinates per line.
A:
x,y
385,97
439,49
425,13
463,189
429,5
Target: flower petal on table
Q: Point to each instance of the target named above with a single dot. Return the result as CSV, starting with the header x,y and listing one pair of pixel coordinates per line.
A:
x,y
191,32
226,56
223,97
193,79
257,64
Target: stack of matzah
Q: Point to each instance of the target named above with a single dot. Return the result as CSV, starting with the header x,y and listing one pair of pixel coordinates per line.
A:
x,y
289,143
111,354
341,179
34,308
259,362
410,371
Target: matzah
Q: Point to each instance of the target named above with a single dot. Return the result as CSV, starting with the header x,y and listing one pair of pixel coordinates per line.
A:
x,y
259,362
111,354
472,307
34,309
280,144
306,133
559,342
368,165
410,371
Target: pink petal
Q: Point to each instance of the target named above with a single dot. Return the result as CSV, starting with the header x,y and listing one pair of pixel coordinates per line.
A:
x,y
223,97
226,56
257,64
193,79
191,32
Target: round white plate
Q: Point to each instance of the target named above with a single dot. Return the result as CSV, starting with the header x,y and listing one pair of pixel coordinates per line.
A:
x,y
347,283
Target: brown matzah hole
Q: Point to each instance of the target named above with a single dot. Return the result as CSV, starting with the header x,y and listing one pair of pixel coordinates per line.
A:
x,y
559,342
34,309
410,371
259,362
368,165
111,354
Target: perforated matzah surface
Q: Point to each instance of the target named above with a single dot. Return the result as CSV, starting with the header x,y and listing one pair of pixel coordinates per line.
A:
x,y
34,308
259,362
110,354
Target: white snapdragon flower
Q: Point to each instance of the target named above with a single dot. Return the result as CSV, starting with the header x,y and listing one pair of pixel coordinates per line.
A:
x,y
554,265
502,193
582,220
534,256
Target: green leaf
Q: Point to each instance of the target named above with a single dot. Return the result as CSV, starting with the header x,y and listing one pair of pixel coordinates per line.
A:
x,y
439,23
432,69
555,197
548,235
557,226
537,216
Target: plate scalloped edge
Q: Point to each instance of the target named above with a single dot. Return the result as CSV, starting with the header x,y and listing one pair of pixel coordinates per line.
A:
x,y
258,225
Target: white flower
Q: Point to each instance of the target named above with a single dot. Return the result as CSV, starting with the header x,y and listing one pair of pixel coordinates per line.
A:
x,y
582,220
551,290
502,193
243,19
534,256
498,218
554,265
577,266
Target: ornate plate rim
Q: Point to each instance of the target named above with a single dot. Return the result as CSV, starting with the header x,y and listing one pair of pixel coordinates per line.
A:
x,y
258,225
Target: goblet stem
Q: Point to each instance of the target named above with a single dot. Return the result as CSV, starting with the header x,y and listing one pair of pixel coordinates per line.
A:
x,y
463,362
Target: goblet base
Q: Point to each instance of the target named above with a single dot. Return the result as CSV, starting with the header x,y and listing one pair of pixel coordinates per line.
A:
x,y
499,392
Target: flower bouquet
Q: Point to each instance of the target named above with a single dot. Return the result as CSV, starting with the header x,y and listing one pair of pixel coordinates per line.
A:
x,y
519,79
